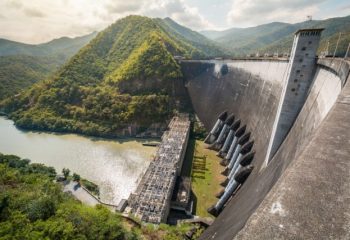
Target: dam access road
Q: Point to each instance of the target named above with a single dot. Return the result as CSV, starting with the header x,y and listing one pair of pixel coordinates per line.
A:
x,y
300,189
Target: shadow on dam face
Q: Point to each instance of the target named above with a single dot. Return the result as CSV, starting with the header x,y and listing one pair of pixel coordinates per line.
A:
x,y
251,90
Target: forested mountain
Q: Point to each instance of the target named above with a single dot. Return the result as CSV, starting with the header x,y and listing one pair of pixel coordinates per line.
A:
x,y
20,72
192,37
332,28
21,64
124,76
273,37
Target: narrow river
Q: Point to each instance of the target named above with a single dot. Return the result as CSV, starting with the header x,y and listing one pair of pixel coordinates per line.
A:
x,y
114,165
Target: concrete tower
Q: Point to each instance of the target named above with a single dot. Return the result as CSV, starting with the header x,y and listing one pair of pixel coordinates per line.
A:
x,y
301,68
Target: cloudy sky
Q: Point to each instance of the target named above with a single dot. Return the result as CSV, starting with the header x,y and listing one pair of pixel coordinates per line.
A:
x,y
36,21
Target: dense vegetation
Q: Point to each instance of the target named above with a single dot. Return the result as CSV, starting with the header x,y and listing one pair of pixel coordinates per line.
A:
x,y
125,76
20,72
278,36
32,206
90,186
21,65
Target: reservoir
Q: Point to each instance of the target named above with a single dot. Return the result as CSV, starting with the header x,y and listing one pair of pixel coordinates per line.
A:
x,y
115,166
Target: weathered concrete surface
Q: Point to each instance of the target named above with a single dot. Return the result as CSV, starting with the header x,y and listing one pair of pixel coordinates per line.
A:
x,y
80,194
251,90
302,66
312,198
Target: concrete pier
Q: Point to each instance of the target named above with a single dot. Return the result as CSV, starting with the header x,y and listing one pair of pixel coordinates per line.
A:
x,y
151,201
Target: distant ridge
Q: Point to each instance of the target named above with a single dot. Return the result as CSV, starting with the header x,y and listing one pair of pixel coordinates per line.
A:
x,y
65,46
277,36
22,64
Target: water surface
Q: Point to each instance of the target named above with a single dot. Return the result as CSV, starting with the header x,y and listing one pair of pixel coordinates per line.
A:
x,y
115,166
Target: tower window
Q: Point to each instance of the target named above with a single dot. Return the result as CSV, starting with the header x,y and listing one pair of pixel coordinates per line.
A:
x,y
298,71
293,89
310,42
303,48
295,80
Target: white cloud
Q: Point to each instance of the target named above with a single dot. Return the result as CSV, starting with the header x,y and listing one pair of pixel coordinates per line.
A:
x,y
179,11
14,4
121,7
31,12
37,21
254,12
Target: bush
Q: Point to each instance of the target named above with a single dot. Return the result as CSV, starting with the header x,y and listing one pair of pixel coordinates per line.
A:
x,y
65,172
41,208
92,187
76,177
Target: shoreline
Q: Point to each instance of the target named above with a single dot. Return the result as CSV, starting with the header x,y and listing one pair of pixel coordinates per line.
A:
x,y
118,139
93,158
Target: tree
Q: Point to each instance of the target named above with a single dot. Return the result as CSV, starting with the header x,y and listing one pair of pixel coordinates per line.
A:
x,y
65,172
41,208
76,177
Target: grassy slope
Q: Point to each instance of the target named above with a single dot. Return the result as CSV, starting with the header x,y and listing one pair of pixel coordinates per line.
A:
x,y
123,76
205,173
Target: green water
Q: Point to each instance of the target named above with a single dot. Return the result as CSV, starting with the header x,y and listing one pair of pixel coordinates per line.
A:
x,y
115,166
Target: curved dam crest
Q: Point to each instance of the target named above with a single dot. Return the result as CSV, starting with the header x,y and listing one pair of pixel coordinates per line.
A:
x,y
251,90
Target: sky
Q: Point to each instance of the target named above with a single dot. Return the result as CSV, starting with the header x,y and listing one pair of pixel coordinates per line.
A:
x,y
37,21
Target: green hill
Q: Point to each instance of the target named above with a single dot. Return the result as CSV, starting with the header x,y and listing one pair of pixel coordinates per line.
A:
x,y
20,72
273,37
21,64
126,76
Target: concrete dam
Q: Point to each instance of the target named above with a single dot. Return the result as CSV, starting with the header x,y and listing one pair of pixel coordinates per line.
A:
x,y
297,114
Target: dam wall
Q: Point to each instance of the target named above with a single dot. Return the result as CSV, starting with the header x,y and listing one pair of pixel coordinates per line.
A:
x,y
251,90
311,198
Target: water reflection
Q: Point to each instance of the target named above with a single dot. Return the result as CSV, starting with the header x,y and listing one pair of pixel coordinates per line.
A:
x,y
114,165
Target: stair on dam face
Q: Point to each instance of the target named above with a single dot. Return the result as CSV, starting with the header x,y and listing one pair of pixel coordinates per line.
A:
x,y
251,90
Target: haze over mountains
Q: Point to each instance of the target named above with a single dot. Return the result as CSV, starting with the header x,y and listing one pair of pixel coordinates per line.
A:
x,y
62,46
126,73
278,36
